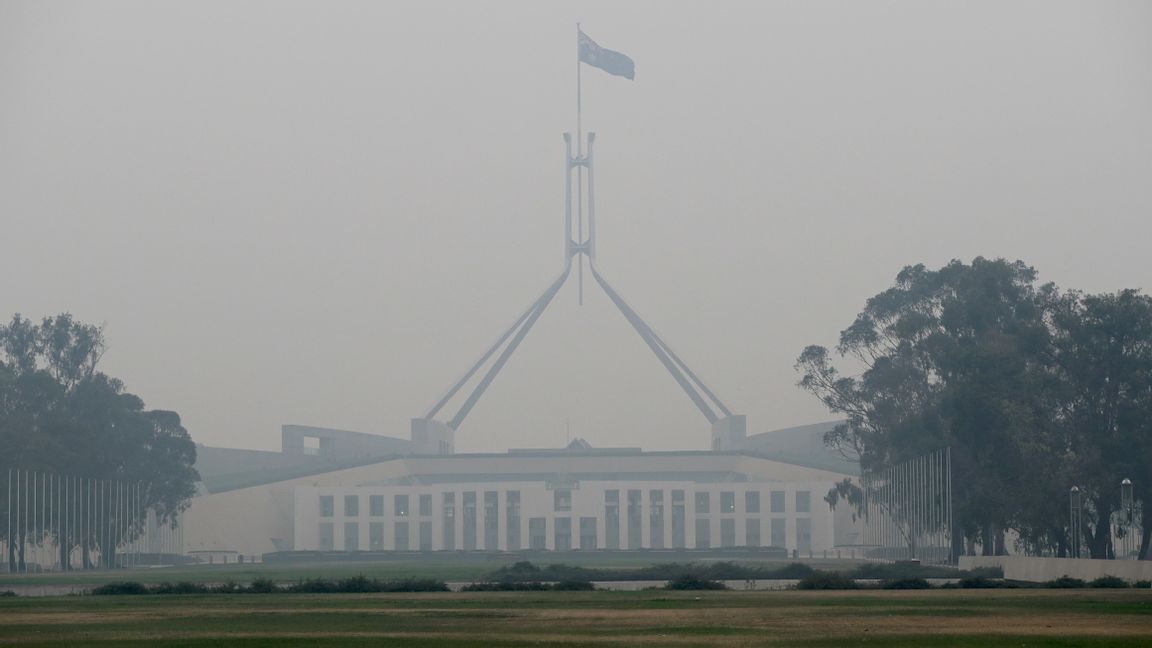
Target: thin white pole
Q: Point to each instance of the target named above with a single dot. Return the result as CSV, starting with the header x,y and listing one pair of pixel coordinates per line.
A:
x,y
579,172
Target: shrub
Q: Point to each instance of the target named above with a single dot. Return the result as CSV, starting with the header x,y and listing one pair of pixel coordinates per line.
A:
x,y
987,572
311,586
4,593
505,586
413,585
1066,582
978,582
228,587
1142,583
182,587
528,586
573,586
524,566
126,588
689,582
358,585
1109,582
906,583
826,581
263,586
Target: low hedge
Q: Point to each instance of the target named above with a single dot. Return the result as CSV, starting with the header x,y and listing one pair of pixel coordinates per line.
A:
x,y
353,585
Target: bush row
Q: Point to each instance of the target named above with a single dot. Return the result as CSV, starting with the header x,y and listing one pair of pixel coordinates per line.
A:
x,y
353,585
833,580
534,586
525,571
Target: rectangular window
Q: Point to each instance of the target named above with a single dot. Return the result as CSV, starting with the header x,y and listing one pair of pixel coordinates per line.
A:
x,y
426,535
351,506
327,506
491,520
703,533
727,533
351,536
325,536
401,503
635,519
752,532
703,503
587,533
803,534
728,502
376,505
678,520
562,499
776,500
449,522
778,533
537,533
512,512
426,505
376,536
563,534
656,519
470,521
401,536
803,502
612,519
752,501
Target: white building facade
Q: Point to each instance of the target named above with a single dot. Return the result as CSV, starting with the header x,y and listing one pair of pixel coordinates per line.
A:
x,y
584,515
557,501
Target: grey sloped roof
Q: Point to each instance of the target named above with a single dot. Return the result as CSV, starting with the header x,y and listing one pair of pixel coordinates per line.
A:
x,y
802,445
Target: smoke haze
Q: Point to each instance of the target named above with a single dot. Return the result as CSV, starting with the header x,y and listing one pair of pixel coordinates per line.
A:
x,y
322,213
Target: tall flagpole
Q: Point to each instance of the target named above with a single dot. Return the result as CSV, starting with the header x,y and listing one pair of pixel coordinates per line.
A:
x,y
579,175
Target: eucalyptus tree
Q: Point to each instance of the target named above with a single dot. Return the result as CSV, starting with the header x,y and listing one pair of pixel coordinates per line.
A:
x,y
59,414
947,357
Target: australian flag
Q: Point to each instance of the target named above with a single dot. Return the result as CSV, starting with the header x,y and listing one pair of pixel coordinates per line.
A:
x,y
608,60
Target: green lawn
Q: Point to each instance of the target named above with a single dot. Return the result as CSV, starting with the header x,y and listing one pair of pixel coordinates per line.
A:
x,y
879,618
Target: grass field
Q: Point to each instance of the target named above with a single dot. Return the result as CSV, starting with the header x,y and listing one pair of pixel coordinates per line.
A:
x,y
873,618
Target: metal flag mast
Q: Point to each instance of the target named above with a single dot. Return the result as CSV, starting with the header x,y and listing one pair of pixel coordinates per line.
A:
x,y
432,436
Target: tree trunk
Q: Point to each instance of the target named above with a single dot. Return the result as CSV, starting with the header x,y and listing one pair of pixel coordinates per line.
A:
x,y
1000,550
987,547
1100,541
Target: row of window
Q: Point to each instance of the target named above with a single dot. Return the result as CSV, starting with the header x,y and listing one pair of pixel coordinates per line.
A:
x,y
562,535
375,505
562,501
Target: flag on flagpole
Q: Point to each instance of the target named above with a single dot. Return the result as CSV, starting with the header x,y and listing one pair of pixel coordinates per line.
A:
x,y
608,60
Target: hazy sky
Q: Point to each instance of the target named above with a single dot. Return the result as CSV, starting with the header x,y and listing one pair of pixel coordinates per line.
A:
x,y
322,212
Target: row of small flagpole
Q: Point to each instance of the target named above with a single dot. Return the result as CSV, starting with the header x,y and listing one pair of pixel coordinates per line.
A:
x,y
907,509
58,522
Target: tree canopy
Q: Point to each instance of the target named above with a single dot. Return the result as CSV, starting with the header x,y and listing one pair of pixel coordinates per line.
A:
x,y
59,414
1034,389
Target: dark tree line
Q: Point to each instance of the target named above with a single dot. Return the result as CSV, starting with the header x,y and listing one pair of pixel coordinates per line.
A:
x,y
1034,388
60,415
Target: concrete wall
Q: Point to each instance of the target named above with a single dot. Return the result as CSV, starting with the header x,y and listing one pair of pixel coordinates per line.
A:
x,y
432,437
729,432
341,444
211,461
1039,570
